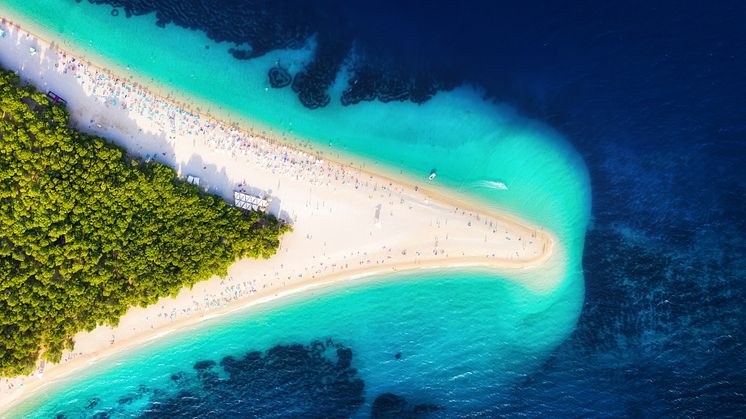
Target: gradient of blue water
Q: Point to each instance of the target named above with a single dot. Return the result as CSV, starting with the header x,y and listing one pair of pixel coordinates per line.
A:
x,y
651,96
465,343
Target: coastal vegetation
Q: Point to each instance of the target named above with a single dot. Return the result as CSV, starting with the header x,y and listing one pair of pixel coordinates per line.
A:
x,y
87,232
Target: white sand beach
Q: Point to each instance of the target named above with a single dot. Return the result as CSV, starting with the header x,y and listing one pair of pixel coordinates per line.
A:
x,y
348,223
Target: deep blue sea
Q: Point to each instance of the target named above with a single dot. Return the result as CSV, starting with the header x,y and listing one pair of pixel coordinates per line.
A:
x,y
652,95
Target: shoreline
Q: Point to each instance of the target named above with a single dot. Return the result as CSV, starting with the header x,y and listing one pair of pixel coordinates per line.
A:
x,y
440,197
56,373
271,134
59,372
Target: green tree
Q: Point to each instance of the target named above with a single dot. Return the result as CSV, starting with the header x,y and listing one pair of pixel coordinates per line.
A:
x,y
86,233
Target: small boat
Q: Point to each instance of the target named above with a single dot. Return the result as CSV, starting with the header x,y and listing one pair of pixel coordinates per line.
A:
x,y
493,184
432,175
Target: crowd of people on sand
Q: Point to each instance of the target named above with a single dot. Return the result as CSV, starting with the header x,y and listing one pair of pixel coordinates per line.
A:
x,y
229,292
175,123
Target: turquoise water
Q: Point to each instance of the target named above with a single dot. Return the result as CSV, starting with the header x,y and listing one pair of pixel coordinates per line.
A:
x,y
464,331
426,309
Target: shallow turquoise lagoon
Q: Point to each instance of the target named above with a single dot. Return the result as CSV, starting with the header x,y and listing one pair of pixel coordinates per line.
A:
x,y
461,334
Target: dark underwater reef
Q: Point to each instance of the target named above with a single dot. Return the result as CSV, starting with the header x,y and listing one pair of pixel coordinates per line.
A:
x,y
295,380
286,381
258,27
389,405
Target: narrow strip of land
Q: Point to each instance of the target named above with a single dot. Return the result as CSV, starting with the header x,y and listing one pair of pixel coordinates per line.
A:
x,y
348,223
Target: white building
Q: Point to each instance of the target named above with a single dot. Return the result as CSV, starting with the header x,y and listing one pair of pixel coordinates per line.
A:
x,y
250,202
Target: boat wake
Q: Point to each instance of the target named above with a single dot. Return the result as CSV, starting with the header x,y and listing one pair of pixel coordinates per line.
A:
x,y
493,184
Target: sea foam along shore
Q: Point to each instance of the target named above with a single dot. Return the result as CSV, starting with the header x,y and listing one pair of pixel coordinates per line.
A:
x,y
348,223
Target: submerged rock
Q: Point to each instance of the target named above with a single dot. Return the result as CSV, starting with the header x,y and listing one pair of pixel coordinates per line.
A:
x,y
390,405
93,403
279,77
203,365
